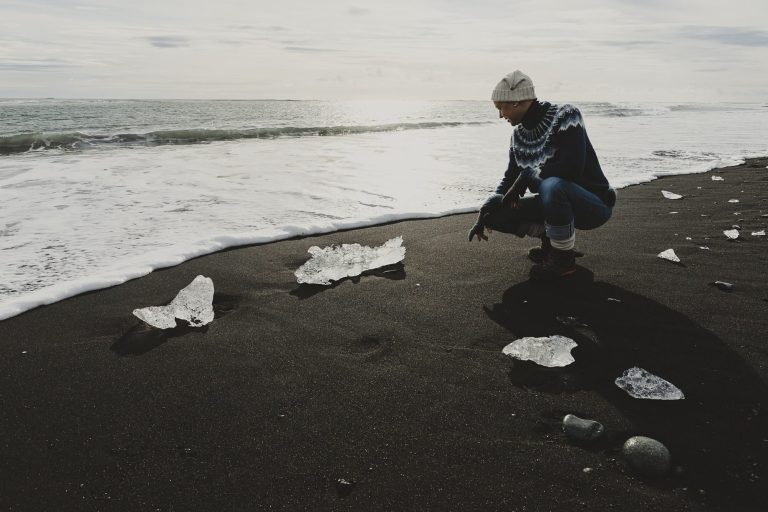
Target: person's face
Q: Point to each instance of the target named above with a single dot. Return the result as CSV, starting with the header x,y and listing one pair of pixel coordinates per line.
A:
x,y
512,111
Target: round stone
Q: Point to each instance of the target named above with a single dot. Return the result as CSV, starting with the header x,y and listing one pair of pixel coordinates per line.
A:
x,y
647,456
582,430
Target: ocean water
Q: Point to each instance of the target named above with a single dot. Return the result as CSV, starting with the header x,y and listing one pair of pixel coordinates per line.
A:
x,y
96,192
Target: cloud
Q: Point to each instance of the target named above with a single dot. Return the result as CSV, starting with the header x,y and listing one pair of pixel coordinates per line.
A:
x,y
36,65
729,35
629,44
168,41
306,49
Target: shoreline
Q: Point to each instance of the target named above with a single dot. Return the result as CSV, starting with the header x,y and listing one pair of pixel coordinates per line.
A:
x,y
395,381
136,269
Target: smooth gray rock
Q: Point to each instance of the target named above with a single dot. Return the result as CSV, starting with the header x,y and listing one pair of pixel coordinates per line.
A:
x,y
647,456
579,429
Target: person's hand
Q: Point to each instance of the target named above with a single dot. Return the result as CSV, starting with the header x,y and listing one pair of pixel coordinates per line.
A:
x,y
514,193
478,230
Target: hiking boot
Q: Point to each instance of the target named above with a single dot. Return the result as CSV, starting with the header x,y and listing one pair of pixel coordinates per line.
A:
x,y
556,264
539,254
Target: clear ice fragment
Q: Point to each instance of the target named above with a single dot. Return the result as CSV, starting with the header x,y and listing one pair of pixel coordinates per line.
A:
x,y
733,200
717,178
670,195
732,234
193,304
640,383
552,351
337,262
759,233
669,255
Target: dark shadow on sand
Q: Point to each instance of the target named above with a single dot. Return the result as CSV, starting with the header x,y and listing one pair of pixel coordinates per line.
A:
x,y
142,338
718,434
396,272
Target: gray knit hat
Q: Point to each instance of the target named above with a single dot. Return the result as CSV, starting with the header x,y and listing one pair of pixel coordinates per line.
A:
x,y
516,86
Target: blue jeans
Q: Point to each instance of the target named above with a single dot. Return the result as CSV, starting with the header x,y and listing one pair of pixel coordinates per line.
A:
x,y
561,205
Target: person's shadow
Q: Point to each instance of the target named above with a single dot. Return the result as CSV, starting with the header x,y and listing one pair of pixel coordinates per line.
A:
x,y
718,434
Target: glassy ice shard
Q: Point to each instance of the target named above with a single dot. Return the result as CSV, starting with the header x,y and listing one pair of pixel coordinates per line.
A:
x,y
759,233
640,383
732,234
337,262
733,200
669,255
670,195
193,304
552,351
717,178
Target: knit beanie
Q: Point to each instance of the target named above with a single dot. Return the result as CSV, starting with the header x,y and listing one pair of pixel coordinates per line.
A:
x,y
516,86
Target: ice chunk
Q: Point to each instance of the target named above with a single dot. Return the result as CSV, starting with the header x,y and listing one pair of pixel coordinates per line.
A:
x,y
669,255
723,285
549,351
337,262
193,304
703,247
717,178
733,234
733,200
759,233
642,384
670,195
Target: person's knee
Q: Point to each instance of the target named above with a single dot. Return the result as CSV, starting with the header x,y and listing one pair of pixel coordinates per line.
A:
x,y
551,187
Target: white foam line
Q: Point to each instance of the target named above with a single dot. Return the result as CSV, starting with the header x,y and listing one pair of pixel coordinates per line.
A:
x,y
139,267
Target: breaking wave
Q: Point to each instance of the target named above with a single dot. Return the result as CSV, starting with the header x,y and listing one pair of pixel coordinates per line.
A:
x,y
23,142
606,109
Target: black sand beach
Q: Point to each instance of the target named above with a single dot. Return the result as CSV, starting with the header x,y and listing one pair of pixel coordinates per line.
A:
x,y
395,382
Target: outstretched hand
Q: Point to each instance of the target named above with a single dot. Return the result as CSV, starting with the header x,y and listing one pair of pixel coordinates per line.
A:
x,y
478,230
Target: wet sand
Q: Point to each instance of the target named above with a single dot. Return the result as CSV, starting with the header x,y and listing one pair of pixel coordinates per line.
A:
x,y
395,381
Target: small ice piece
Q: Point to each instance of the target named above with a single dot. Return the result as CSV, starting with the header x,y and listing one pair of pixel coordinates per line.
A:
x,y
348,260
726,287
193,304
717,178
759,233
570,321
688,238
640,383
733,200
672,213
611,299
669,255
670,195
732,234
552,351
703,247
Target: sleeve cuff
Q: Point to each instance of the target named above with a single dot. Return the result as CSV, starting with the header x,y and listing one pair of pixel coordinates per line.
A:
x,y
532,178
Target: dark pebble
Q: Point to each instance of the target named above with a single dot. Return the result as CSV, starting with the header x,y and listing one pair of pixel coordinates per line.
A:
x,y
582,430
646,456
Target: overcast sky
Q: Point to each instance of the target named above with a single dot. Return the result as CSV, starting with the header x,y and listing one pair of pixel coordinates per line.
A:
x,y
612,50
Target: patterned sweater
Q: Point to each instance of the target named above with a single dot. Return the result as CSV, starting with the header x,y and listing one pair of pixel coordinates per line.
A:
x,y
552,141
